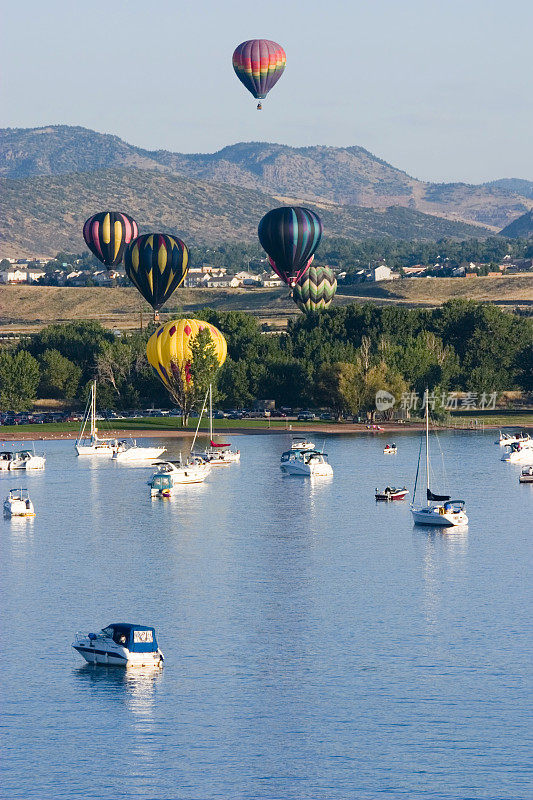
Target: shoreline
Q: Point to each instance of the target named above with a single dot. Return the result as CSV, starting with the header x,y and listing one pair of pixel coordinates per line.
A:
x,y
161,433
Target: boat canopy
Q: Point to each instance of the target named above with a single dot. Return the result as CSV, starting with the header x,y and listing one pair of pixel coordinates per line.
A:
x,y
139,638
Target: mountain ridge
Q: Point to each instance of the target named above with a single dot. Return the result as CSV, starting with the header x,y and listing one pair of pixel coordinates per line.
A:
x,y
43,215
350,176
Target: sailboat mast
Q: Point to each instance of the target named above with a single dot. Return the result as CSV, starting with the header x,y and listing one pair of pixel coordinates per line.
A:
x,y
93,409
211,412
427,449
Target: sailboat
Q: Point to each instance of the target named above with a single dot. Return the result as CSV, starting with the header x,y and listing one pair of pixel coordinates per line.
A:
x,y
92,445
447,513
217,454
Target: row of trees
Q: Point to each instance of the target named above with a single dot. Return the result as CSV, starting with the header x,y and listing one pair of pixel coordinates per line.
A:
x,y
338,359
346,254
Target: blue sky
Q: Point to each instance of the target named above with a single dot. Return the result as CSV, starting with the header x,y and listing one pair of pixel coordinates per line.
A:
x,y
439,88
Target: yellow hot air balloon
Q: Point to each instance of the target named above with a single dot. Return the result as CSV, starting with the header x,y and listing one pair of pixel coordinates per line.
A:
x,y
169,349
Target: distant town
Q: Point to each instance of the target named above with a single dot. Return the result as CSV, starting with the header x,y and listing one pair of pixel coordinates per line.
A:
x,y
77,272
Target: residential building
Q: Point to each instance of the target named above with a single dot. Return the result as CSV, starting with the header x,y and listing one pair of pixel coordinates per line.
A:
x,y
222,282
383,273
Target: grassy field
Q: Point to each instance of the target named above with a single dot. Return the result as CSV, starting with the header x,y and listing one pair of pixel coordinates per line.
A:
x,y
509,290
28,308
162,425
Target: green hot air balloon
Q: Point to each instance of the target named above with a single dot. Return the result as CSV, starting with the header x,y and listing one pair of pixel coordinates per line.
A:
x,y
315,289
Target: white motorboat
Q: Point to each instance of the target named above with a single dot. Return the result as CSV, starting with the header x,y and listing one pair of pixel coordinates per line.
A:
x,y
306,463
217,454
176,473
92,445
519,452
18,504
512,438
21,459
129,453
390,449
526,476
439,510
6,457
121,645
301,443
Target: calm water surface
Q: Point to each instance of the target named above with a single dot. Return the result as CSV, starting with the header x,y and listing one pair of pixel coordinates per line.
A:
x,y
318,646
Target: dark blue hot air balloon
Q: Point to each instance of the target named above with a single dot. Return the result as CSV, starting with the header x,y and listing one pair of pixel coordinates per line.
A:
x,y
290,235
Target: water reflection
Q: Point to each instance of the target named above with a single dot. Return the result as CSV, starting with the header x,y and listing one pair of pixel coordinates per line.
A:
x,y
453,544
136,687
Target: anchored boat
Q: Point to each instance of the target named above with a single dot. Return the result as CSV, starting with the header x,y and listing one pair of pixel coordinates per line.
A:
x,y
21,459
92,445
306,463
447,512
18,504
175,473
121,645
391,493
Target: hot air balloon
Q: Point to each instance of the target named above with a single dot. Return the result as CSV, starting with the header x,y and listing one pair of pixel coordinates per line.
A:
x,y
290,235
157,264
107,234
169,349
315,289
259,64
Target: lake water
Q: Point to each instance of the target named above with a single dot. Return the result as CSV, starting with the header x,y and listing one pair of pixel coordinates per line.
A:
x,y
318,646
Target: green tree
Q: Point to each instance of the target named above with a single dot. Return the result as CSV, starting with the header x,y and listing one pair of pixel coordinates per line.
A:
x,y
337,386
59,376
19,378
189,386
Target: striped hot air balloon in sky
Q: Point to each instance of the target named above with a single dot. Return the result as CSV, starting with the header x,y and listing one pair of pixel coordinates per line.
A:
x,y
169,348
156,264
259,64
107,234
290,235
315,290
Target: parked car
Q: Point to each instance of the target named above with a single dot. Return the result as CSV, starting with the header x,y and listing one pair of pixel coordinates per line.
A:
x,y
306,416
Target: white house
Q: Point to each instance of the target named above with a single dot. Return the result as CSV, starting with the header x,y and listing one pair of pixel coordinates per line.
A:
x,y
270,280
383,273
222,282
34,274
13,275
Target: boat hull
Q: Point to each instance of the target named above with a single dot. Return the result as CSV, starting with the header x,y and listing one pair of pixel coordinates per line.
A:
x,y
114,658
139,454
15,509
431,517
524,456
94,450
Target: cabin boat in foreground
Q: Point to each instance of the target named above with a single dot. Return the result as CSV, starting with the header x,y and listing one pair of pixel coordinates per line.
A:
x,y
121,645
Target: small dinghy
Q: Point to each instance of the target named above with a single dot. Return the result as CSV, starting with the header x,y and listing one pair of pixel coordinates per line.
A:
x,y
120,645
526,476
391,493
390,449
18,504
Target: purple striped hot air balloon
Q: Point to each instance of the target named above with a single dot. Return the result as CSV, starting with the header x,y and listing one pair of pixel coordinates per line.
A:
x,y
259,64
107,234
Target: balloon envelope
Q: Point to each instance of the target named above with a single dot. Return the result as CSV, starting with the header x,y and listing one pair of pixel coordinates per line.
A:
x,y
259,64
169,349
315,289
156,264
107,234
290,235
